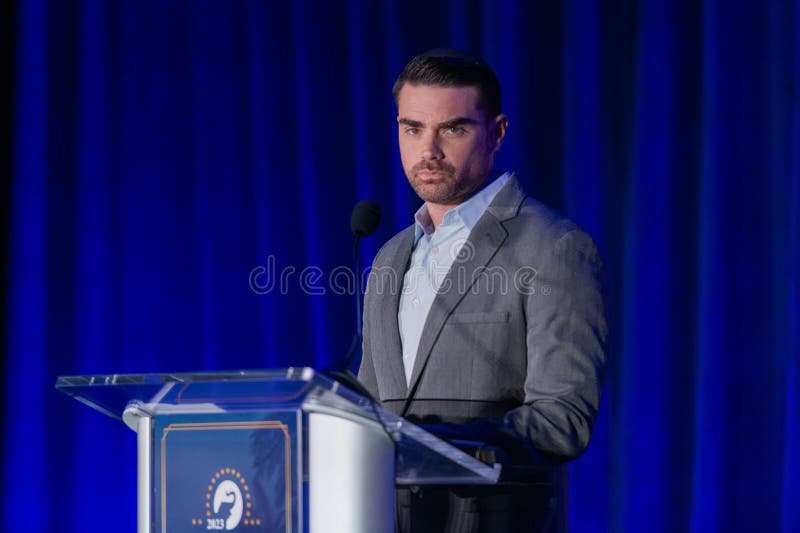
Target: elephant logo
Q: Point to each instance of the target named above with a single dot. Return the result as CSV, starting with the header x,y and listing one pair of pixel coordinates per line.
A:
x,y
228,503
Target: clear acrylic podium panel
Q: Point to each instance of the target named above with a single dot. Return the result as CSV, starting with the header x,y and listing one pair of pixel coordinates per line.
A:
x,y
421,458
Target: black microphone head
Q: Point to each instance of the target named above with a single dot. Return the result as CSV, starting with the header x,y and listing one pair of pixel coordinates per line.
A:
x,y
365,218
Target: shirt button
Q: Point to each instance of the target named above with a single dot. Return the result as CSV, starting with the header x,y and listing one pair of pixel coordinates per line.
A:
x,y
415,301
435,250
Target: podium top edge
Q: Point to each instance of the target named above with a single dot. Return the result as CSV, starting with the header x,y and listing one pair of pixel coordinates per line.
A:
x,y
110,380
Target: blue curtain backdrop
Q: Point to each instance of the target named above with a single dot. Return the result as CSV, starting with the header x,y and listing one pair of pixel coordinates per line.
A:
x,y
163,152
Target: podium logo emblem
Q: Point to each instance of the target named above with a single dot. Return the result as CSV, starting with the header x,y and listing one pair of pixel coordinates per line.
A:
x,y
228,502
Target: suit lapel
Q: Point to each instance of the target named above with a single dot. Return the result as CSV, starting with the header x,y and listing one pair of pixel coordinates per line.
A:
x,y
484,240
388,302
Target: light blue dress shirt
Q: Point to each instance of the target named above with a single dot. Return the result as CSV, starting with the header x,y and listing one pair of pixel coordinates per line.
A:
x,y
434,253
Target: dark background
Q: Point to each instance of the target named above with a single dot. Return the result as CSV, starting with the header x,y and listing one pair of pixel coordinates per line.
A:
x,y
155,153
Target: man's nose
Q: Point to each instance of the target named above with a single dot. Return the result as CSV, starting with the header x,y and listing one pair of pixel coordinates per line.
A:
x,y
430,149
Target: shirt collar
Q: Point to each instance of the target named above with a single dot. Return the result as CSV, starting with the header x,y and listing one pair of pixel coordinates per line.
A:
x,y
466,213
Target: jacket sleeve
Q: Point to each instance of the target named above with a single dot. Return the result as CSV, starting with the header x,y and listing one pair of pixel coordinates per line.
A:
x,y
567,339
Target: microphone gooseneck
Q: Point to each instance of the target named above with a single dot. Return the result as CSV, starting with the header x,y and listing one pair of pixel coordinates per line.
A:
x,y
364,221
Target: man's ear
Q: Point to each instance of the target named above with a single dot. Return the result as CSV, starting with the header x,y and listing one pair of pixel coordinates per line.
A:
x,y
497,131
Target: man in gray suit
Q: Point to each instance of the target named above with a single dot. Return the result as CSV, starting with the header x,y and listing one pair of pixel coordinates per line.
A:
x,y
484,320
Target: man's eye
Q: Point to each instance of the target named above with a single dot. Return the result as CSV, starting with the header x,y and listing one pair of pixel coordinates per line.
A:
x,y
454,130
412,131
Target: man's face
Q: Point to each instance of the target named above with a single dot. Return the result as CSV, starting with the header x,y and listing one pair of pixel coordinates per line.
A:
x,y
447,143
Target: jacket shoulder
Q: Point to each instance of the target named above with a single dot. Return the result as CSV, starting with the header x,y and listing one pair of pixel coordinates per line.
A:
x,y
543,221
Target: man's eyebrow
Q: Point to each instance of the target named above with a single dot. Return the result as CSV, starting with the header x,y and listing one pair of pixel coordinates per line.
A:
x,y
456,122
410,123
452,123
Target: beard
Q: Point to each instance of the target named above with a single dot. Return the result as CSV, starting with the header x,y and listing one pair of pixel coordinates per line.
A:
x,y
447,189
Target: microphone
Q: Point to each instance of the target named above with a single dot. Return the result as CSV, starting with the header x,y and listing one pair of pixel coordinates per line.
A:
x,y
364,221
365,218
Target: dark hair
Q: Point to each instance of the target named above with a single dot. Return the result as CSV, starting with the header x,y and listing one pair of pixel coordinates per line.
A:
x,y
452,68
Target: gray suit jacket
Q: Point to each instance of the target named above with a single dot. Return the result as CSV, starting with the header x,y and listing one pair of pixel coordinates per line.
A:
x,y
515,342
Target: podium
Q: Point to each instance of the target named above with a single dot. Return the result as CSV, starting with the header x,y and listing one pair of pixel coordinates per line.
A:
x,y
268,451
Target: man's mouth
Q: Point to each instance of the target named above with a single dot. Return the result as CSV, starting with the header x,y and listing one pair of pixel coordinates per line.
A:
x,y
430,174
